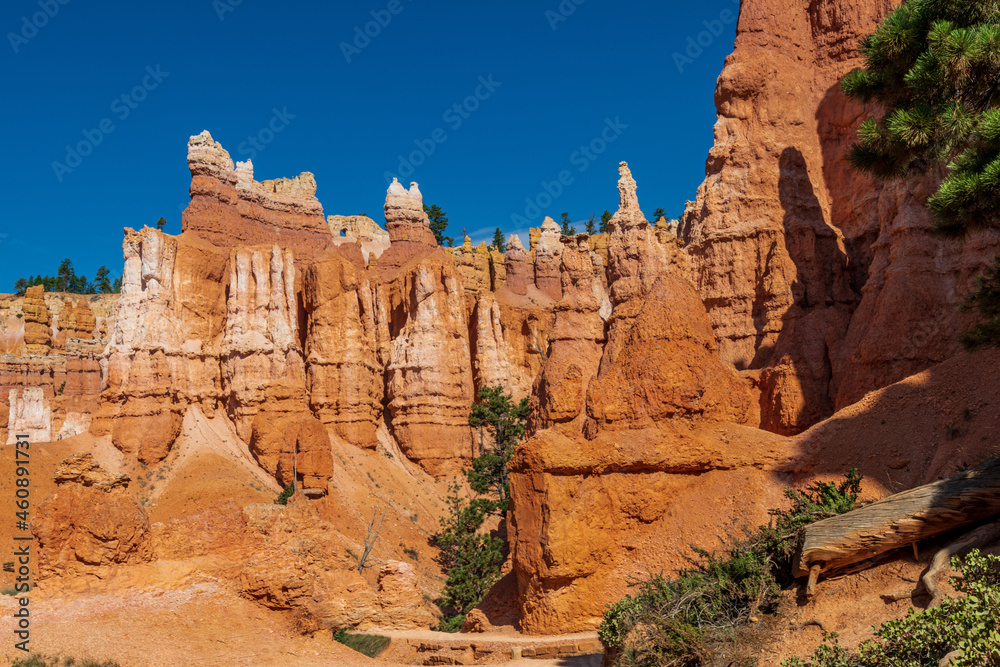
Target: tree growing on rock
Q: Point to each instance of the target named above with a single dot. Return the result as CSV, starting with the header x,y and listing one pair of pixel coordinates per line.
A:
x,y
605,217
591,225
933,66
470,556
499,242
567,225
439,223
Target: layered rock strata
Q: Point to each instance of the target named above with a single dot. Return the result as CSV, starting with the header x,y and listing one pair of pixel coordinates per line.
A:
x,y
37,334
30,414
229,207
827,282
632,400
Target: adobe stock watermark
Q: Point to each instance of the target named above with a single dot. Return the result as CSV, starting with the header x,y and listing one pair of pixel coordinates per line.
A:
x,y
562,13
696,44
362,38
121,107
455,116
37,21
223,7
581,158
257,142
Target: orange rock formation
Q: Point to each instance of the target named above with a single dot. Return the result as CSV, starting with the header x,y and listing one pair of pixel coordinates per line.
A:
x,y
829,281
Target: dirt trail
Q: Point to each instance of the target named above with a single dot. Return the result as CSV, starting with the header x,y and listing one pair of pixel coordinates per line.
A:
x,y
203,624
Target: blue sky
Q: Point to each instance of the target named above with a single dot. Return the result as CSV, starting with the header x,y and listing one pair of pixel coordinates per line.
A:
x,y
545,91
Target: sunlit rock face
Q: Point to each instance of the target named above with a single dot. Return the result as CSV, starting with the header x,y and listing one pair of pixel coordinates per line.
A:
x,y
826,281
229,207
30,415
629,415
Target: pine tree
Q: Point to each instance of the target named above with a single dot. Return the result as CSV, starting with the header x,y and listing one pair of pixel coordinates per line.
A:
x,y
20,286
567,226
933,66
658,213
499,242
102,281
472,558
591,226
65,275
161,223
605,217
439,223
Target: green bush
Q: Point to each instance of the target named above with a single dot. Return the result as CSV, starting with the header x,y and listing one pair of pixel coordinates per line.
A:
x,y
287,493
675,622
39,660
969,624
370,645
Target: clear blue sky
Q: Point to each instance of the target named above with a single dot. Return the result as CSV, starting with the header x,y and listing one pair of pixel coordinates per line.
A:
x,y
565,78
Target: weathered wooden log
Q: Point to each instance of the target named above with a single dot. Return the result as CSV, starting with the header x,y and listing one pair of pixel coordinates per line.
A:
x,y
900,520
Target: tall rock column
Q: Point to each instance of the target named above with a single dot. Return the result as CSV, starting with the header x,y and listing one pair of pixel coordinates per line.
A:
x,y
160,358
575,342
37,333
782,230
428,376
262,365
548,255
343,374
621,429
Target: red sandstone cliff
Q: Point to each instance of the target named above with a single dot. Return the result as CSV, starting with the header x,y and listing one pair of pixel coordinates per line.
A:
x,y
829,281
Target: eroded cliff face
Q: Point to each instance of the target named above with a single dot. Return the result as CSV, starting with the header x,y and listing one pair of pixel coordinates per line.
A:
x,y
284,326
65,372
229,207
271,347
828,281
633,410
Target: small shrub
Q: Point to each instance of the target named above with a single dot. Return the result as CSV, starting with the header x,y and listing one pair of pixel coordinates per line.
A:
x,y
287,493
675,622
369,645
8,591
986,299
412,553
969,624
39,660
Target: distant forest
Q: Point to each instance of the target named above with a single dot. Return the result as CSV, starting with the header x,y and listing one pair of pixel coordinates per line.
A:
x,y
66,280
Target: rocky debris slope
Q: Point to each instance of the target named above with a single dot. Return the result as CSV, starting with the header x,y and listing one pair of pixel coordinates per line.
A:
x,y
90,524
826,283
302,566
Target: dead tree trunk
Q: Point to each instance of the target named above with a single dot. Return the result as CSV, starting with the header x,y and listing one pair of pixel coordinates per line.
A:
x,y
900,520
